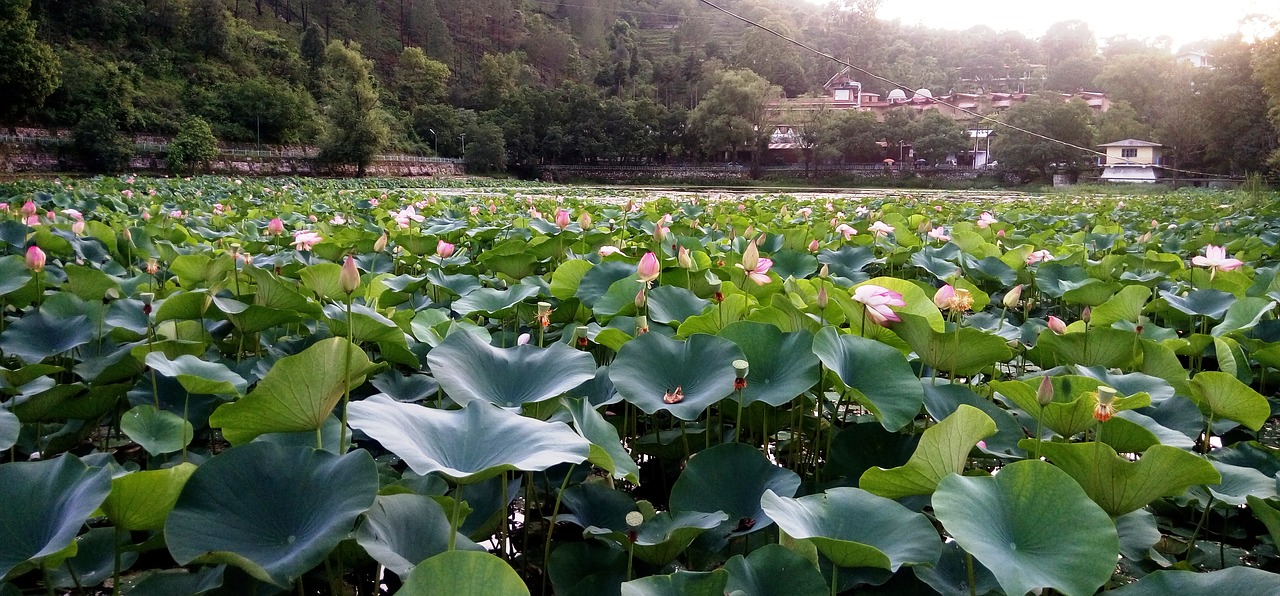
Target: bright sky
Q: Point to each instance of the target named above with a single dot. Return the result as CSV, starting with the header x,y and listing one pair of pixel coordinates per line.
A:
x,y
1183,20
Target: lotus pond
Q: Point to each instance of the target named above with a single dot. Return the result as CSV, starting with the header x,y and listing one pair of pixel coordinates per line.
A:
x,y
217,386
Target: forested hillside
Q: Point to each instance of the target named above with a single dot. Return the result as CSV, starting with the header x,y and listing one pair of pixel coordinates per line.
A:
x,y
515,83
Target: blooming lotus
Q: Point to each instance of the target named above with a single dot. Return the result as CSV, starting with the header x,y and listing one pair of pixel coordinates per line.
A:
x,y
846,230
1216,259
939,234
1039,256
609,249
880,228
304,240
760,274
986,219
877,301
444,249
953,298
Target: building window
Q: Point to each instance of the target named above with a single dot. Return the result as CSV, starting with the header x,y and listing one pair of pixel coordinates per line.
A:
x,y
1129,152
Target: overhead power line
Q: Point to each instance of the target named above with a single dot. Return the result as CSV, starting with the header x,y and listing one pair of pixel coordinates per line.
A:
x,y
980,117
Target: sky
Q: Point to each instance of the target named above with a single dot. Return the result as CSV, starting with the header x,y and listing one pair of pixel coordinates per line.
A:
x,y
1183,20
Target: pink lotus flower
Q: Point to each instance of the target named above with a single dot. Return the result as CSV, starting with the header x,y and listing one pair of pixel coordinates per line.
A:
x,y
77,228
1056,325
877,301
35,259
28,208
610,249
804,212
760,274
275,227
986,219
146,216
813,245
338,220
128,194
349,278
942,298
1039,256
474,209
562,218
304,240
73,214
846,231
660,232
444,249
584,221
880,228
1216,259
939,234
648,269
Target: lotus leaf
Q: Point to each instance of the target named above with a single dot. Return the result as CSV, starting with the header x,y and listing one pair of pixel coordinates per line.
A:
x,y
291,506
944,449
881,375
656,373
782,365
680,583
157,431
463,573
400,531
469,445
1120,486
470,369
731,478
46,503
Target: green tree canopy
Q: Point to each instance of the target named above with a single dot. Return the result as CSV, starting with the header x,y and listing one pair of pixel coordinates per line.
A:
x,y
194,145
1069,123
734,114
29,72
419,79
355,124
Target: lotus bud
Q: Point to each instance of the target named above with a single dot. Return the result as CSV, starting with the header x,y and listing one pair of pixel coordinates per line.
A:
x,y
683,258
380,244
1012,296
35,259
750,257
783,211
660,232
275,227
760,240
28,208
641,298
925,226
128,236
1056,325
823,299
813,245
649,268
824,272
349,278
631,205
1086,314
750,231
562,218
1044,394
584,221
444,249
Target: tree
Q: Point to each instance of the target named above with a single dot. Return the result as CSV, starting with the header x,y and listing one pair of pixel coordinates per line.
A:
x,y
29,72
207,28
1073,74
1068,39
1120,122
734,115
1066,124
194,145
355,124
1266,72
486,152
936,135
100,144
419,79
1144,80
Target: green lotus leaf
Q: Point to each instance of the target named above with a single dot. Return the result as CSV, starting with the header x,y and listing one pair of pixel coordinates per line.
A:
x,y
588,568
273,511
402,530
620,299
1241,482
492,300
1074,399
197,270
1268,515
297,394
596,282
732,477
651,368
1233,580
1120,486
782,365
673,304
732,309
185,306
251,318
90,284
470,369
158,431
939,261
1232,359
142,500
94,560
1205,303
944,449
14,274
567,276
1224,396
1126,305
1244,314
511,258
950,577
858,447
469,445
1101,346
855,528
1055,279
174,582
680,583
790,263
463,573
44,333
45,504
848,261
198,376
962,352
607,450
10,427
664,536
774,570
272,292
881,375
990,269
323,279
943,399
367,325
1002,521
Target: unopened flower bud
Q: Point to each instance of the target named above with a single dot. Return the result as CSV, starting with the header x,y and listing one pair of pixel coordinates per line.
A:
x,y
584,221
380,244
1012,296
349,278
1056,325
824,272
1044,394
1086,314
683,258
823,299
641,298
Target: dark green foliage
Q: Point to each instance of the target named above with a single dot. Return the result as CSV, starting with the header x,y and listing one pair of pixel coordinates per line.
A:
x,y
355,125
194,145
486,151
99,143
29,71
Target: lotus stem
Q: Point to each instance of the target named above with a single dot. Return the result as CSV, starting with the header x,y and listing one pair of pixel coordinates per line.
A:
x,y
835,579
551,526
346,383
1191,543
453,517
968,564
115,571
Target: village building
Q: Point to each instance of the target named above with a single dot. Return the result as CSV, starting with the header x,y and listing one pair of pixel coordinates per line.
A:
x,y
1131,160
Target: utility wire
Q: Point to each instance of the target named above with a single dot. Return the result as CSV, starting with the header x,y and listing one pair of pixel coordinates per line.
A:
x,y
980,117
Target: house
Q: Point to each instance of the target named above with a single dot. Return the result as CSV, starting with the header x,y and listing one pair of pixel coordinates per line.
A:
x,y
1131,160
1195,58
